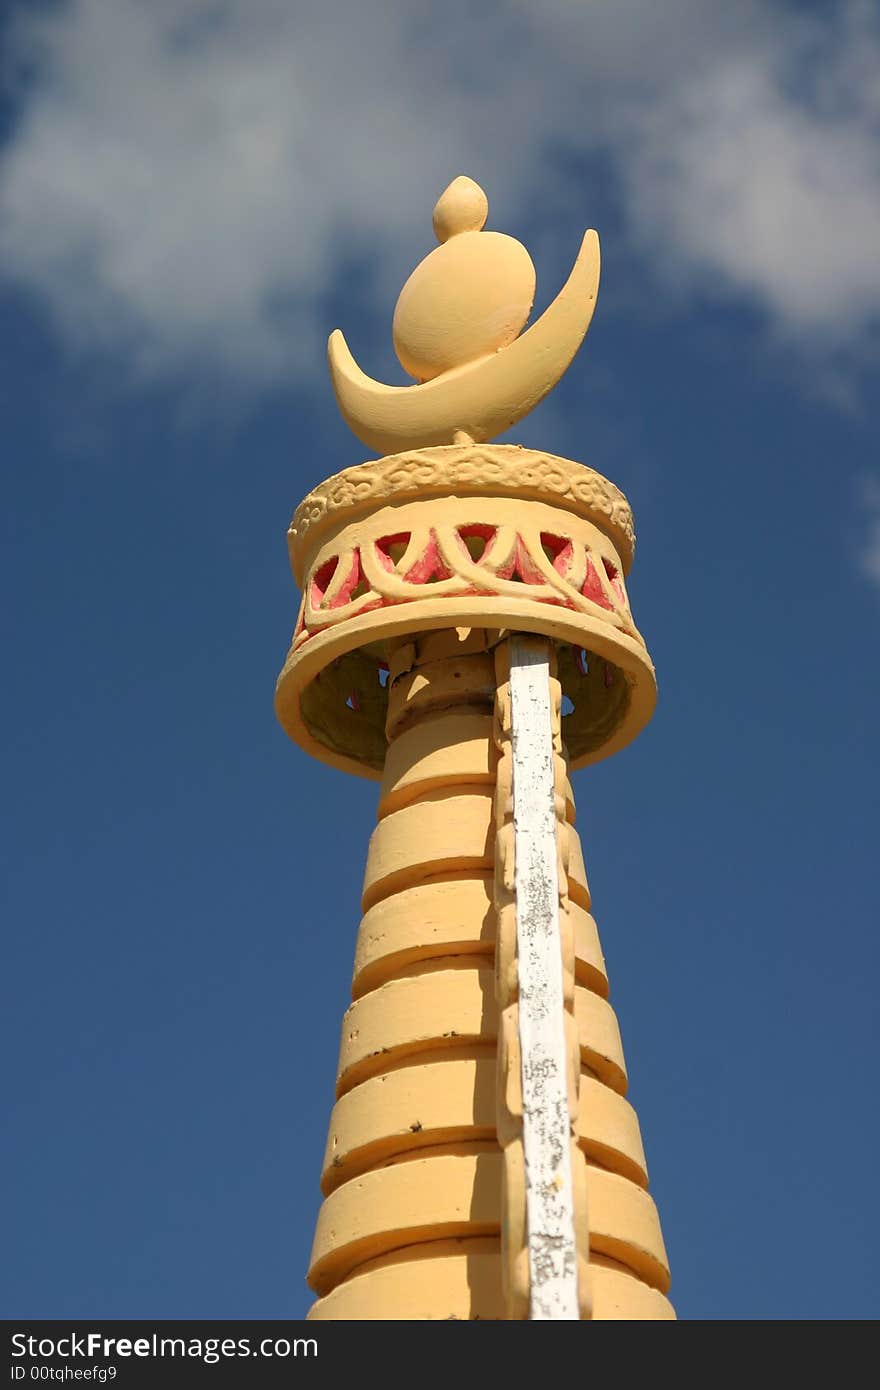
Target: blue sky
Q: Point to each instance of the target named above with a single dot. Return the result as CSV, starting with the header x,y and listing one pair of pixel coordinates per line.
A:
x,y
191,196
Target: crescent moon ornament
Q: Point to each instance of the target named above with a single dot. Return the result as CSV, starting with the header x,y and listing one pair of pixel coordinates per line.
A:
x,y
457,330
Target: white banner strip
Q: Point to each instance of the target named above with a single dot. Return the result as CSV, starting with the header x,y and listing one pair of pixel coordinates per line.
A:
x,y
546,1128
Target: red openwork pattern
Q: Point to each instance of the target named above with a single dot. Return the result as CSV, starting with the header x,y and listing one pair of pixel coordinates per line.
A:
x,y
449,561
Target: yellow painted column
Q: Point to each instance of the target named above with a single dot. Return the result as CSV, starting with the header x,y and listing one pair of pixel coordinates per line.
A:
x,y
412,1174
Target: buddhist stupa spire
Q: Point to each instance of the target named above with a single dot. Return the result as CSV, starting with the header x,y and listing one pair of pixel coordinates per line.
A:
x,y
465,637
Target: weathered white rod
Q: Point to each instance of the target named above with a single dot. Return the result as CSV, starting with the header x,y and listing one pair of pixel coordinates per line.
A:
x,y
546,1129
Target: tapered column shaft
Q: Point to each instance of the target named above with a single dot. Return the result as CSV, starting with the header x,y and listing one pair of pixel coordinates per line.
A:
x,y
415,1196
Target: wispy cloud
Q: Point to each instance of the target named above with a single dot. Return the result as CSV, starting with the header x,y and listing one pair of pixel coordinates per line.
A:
x,y
185,178
763,170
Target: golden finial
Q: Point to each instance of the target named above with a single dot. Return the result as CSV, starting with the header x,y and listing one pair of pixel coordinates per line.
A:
x,y
456,330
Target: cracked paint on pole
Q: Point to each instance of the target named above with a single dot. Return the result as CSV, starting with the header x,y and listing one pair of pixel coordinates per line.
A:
x,y
546,1127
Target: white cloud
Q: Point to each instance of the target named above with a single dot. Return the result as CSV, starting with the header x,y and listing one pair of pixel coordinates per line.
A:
x,y
186,177
761,188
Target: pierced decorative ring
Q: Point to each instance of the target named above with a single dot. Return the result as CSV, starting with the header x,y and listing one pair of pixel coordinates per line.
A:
x,y
526,542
